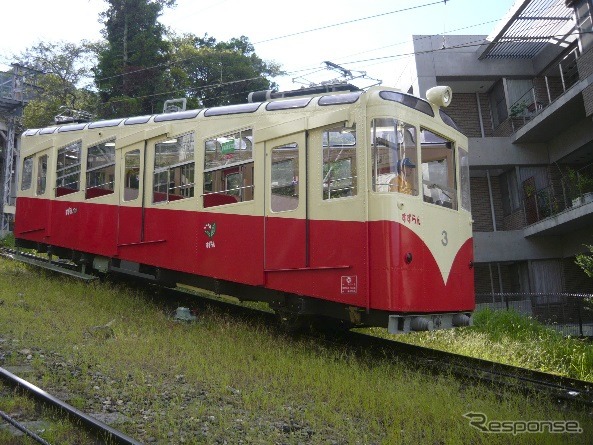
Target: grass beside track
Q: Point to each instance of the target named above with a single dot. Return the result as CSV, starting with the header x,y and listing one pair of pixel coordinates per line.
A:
x,y
514,339
109,349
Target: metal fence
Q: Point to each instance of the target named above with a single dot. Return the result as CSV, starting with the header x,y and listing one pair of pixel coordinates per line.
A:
x,y
570,314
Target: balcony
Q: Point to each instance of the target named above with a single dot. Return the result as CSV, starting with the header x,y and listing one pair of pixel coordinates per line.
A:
x,y
553,102
559,208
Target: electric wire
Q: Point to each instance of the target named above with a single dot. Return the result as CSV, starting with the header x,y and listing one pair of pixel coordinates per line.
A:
x,y
350,21
474,43
285,36
377,60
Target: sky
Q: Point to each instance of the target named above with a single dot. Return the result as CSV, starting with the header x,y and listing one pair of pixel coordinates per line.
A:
x,y
372,36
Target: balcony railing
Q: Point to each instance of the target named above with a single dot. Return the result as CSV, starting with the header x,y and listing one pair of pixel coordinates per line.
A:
x,y
573,190
547,88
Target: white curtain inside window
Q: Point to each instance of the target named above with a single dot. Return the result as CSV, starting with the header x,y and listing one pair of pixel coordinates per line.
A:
x,y
546,276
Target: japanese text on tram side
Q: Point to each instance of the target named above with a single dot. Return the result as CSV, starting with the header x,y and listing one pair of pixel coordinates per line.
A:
x,y
410,218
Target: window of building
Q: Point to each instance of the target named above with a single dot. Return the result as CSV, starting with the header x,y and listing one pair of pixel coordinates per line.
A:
x,y
132,175
68,169
498,103
285,178
27,173
228,169
100,169
174,168
439,184
509,192
394,156
464,179
521,98
339,163
41,174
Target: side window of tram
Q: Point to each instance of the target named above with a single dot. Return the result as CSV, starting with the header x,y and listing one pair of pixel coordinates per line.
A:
x,y
100,169
339,163
41,174
132,175
27,173
285,178
68,169
228,169
395,159
439,185
174,169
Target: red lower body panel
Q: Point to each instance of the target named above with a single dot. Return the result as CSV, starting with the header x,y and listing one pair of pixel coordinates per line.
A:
x,y
356,263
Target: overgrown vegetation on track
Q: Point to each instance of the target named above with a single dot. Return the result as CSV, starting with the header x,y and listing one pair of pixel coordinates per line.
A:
x,y
515,339
109,349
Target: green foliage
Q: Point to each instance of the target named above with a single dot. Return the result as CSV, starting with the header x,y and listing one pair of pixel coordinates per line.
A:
x,y
585,261
132,63
138,67
8,240
515,339
62,70
579,183
518,108
212,73
512,325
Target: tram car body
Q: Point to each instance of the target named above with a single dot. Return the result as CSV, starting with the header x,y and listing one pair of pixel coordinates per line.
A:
x,y
294,201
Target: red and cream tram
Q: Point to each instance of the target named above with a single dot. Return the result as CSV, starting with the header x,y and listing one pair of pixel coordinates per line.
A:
x,y
343,203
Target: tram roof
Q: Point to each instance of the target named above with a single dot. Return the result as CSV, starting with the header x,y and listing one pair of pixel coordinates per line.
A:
x,y
287,102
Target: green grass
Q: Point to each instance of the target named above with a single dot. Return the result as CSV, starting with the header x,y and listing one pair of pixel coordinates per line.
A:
x,y
7,240
225,378
515,339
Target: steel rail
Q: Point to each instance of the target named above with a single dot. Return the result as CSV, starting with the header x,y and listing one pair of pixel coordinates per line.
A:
x,y
60,266
560,387
96,425
23,428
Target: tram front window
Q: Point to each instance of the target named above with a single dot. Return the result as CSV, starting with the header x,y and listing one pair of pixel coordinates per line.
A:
x,y
395,160
438,170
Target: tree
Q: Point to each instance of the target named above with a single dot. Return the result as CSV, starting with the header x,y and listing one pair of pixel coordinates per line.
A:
x,y
212,73
130,69
63,68
585,261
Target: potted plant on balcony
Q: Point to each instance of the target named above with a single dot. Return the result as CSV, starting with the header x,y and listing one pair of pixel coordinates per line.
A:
x,y
518,109
581,187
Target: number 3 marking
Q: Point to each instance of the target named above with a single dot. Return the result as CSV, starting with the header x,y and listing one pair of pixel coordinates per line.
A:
x,y
444,240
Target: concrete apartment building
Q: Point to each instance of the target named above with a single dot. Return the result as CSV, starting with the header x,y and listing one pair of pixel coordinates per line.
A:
x,y
524,97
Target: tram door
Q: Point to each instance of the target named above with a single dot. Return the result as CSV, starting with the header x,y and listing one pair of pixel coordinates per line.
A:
x,y
131,205
286,225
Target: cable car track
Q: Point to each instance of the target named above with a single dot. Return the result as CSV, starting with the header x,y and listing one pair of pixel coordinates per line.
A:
x,y
560,388
99,429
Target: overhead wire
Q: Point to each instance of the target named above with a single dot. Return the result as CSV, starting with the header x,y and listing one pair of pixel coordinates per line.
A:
x,y
350,21
378,60
474,43
284,36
